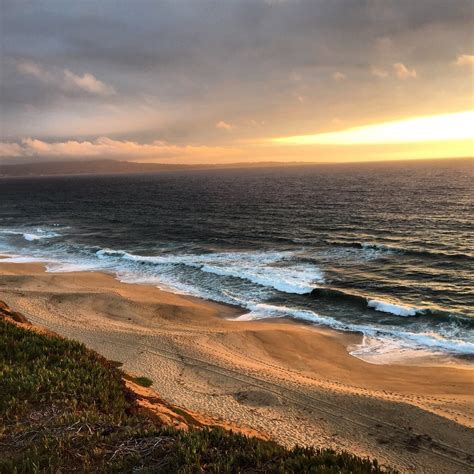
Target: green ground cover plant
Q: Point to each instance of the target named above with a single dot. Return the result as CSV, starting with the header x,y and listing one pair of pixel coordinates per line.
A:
x,y
64,408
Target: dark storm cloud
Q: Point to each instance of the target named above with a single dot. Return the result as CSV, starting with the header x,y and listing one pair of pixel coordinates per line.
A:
x,y
240,61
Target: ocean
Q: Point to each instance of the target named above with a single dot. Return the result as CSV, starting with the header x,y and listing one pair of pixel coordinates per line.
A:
x,y
386,250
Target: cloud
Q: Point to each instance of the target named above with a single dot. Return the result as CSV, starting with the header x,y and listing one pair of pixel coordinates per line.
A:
x,y
339,76
224,125
378,72
107,147
465,60
87,82
403,72
10,149
65,79
247,59
29,68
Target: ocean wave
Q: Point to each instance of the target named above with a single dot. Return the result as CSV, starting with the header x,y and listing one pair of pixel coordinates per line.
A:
x,y
451,339
392,249
32,235
40,235
391,307
396,309
450,335
363,245
264,311
384,336
338,295
297,279
268,269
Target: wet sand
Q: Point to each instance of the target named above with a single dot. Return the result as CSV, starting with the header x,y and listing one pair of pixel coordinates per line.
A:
x,y
295,383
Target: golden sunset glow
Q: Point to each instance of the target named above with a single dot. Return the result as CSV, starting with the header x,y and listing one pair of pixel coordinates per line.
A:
x,y
447,127
305,83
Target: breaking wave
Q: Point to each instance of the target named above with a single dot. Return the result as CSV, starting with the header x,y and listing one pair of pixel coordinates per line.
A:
x,y
391,307
396,309
249,278
382,335
31,235
269,269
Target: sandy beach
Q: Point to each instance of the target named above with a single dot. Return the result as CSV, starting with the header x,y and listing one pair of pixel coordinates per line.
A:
x,y
296,384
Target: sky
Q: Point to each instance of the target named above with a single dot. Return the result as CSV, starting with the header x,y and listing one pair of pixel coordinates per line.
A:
x,y
210,81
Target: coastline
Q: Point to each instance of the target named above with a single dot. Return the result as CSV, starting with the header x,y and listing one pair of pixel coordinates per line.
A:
x,y
249,372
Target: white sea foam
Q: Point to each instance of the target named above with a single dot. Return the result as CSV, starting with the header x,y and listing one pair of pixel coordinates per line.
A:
x,y
390,346
104,253
295,279
390,339
383,350
396,309
22,259
381,344
171,284
31,235
69,267
377,340
269,269
265,311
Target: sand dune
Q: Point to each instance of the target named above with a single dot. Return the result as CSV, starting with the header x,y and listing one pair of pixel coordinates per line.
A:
x,y
294,383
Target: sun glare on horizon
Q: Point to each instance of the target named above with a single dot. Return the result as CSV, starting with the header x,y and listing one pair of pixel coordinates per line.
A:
x,y
446,127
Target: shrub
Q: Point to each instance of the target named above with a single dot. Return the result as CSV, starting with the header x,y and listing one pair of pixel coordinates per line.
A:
x,y
64,408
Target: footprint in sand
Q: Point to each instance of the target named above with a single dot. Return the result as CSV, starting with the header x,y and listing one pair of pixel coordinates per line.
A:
x,y
257,398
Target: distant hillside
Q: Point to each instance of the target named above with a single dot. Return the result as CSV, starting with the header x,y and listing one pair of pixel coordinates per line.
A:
x,y
53,168
58,168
